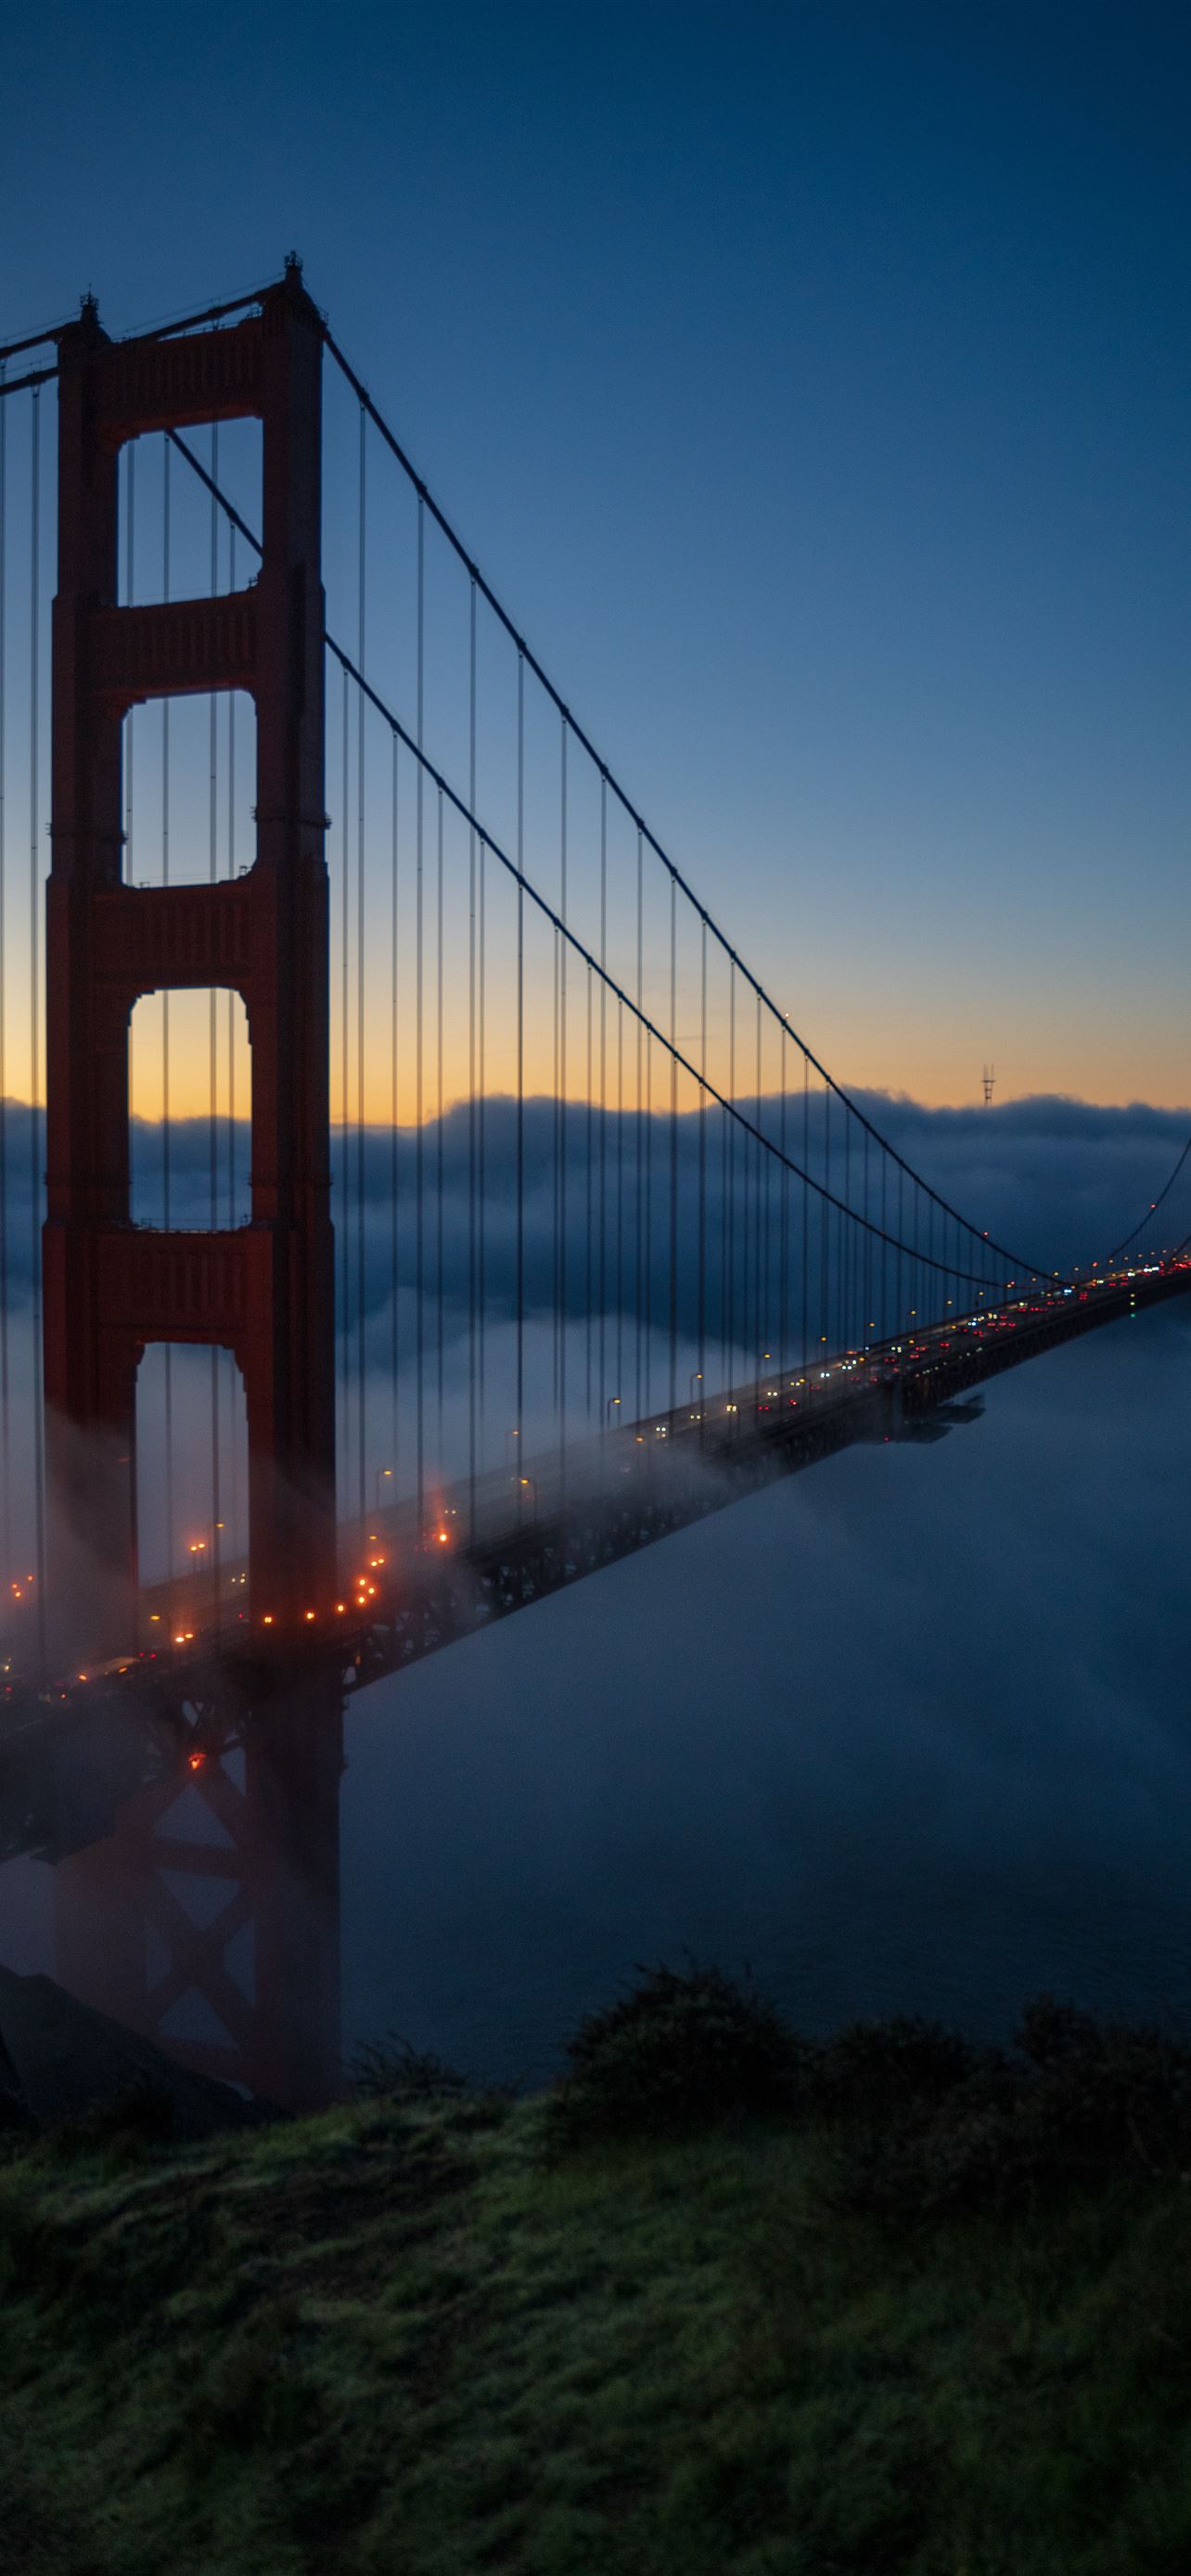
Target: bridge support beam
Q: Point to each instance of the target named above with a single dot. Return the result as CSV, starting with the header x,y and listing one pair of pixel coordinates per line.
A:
x,y
207,1918
265,1291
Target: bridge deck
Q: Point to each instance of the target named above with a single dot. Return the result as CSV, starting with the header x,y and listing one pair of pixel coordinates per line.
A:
x,y
415,1588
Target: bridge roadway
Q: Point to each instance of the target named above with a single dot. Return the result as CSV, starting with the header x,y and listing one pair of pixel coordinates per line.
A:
x,y
72,1751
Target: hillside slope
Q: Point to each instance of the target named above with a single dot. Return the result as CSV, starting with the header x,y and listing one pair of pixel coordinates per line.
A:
x,y
401,2337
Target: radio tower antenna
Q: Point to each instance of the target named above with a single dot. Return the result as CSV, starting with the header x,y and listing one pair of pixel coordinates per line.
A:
x,y
990,1075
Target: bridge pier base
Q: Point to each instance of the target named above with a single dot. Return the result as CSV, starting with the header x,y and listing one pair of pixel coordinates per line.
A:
x,y
207,1920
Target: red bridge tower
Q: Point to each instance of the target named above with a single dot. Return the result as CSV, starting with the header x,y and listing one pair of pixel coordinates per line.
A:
x,y
264,1290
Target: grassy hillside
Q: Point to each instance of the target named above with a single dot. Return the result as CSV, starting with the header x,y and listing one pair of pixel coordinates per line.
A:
x,y
412,2335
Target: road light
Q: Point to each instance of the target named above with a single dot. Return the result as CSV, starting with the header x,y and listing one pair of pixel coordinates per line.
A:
x,y
696,1380
608,1409
381,1474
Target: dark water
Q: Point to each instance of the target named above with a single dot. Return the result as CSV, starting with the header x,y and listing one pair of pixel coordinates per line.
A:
x,y
912,1731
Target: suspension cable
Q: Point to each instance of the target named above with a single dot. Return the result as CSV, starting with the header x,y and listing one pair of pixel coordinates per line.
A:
x,y
1152,1209
1018,1261
648,1029
216,312
427,501
36,377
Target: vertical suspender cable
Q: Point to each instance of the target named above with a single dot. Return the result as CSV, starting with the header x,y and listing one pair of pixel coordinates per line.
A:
x,y
482,1280
619,1202
749,1333
673,1316
5,1426
361,1284
213,1032
588,1174
520,1292
556,1159
868,1319
825,1212
166,1161
639,1297
902,1299
648,1283
761,1330
471,1069
725,1228
702,1109
344,1320
806,1248
419,1037
783,1285
439,1134
730,1228
232,1210
602,1280
127,745
231,870
394,1246
849,1234
561,1195
35,1016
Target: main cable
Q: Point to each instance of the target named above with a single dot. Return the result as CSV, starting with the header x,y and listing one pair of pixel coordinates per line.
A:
x,y
427,500
1155,1204
427,769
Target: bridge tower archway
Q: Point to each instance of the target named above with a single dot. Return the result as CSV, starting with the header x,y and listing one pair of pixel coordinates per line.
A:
x,y
265,1289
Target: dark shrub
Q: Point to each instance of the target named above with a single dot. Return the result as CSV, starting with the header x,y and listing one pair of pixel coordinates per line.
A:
x,y
1076,2101
17,2127
971,2151
389,2070
139,2116
1050,2032
1113,2094
680,2048
879,2070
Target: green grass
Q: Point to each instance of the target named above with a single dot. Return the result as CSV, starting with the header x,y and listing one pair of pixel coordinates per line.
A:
x,y
400,2340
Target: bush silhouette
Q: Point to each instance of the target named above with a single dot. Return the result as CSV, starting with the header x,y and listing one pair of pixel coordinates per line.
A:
x,y
679,2049
1073,2101
883,2069
392,2070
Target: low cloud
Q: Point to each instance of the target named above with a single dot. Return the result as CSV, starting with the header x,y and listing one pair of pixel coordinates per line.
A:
x,y
1056,1179
1060,1180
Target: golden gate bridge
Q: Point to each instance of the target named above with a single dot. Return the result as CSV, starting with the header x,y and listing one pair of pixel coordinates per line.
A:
x,y
467,1210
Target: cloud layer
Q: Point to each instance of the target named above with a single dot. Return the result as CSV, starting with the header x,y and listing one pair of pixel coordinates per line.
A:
x,y
1058,1180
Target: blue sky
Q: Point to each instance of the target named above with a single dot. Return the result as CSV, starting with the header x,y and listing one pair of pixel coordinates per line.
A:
x,y
813,384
